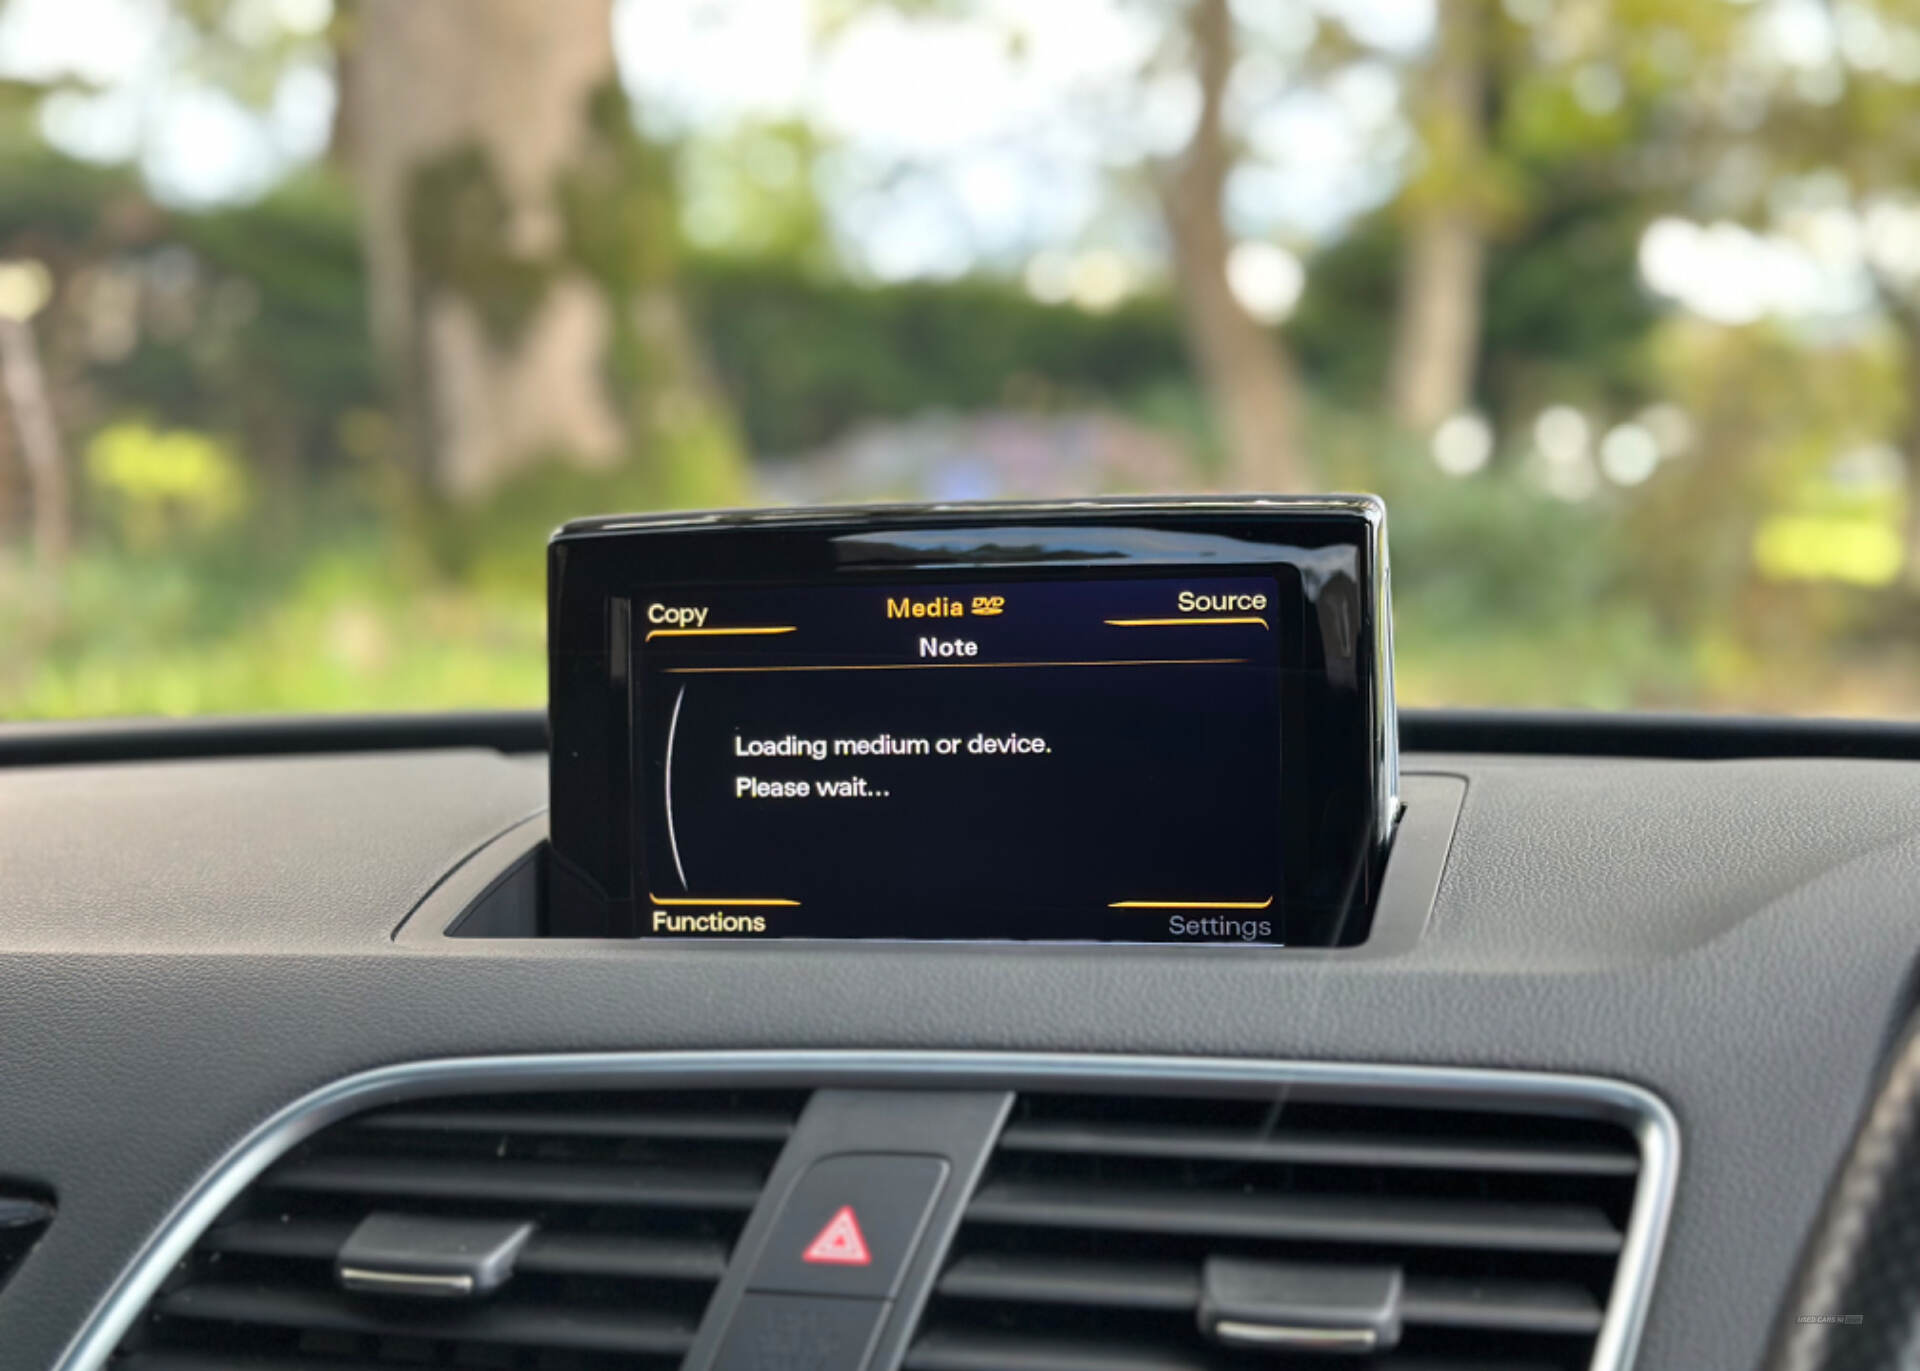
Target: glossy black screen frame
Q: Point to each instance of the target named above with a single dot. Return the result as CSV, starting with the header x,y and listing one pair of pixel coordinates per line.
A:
x,y
1336,717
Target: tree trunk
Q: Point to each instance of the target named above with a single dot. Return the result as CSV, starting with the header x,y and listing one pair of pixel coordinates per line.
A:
x,y
50,506
1245,369
1903,309
9,501
1437,338
1908,317
467,115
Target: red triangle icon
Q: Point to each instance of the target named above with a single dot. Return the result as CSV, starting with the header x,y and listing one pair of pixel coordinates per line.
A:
x,y
840,1243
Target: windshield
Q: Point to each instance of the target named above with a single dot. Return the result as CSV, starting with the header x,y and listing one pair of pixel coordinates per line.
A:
x,y
316,316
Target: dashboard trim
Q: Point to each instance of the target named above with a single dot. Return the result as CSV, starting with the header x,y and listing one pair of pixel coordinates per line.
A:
x,y
1649,1117
523,732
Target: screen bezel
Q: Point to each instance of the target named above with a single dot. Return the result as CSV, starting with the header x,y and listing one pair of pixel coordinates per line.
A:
x,y
1337,764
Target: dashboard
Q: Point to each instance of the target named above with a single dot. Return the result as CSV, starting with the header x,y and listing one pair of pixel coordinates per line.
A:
x,y
192,945
1697,937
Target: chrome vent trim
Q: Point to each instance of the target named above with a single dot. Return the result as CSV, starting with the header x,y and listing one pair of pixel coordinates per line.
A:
x,y
1643,1112
1091,1234
621,1209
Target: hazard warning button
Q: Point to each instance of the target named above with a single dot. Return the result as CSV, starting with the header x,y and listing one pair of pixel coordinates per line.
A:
x,y
850,1226
841,1243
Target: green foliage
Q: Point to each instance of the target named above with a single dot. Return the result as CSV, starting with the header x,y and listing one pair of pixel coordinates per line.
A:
x,y
299,251
459,239
161,485
499,543
618,203
1536,347
55,206
1566,318
351,631
253,539
803,358
278,351
1771,415
1505,595
1492,546
749,192
1342,330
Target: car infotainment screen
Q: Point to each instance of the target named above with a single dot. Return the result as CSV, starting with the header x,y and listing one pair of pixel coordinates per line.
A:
x,y
1149,724
1085,759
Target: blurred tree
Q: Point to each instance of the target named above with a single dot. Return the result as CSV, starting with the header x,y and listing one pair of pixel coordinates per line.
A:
x,y
1858,115
1770,413
518,241
17,100
1558,130
1245,368
53,219
806,358
280,358
25,288
1905,311
1808,124
1436,342
750,192
462,119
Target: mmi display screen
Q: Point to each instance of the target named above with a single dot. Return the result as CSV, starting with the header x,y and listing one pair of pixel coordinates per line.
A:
x,y
1054,759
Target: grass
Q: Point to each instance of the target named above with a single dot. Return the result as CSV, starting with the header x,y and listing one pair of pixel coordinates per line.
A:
x,y
350,633
359,626
1502,599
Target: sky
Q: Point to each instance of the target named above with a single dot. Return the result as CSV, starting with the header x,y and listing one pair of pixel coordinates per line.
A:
x,y
951,152
195,143
1018,120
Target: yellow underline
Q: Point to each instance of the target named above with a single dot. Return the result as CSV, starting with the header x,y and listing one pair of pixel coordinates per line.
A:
x,y
1191,904
714,899
653,633
959,666
1167,623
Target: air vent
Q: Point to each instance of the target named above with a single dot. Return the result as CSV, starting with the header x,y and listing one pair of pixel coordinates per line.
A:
x,y
1104,1225
635,1201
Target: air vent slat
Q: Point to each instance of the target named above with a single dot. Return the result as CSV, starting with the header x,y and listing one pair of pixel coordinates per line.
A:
x,y
635,1200
1108,1224
989,1352
1041,1281
1510,1306
307,1239
718,1127
524,1181
549,1253
983,1352
1514,1306
1206,1144
1362,1219
550,1326
221,1361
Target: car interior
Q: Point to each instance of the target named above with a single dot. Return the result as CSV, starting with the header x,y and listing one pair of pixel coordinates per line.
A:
x,y
378,1042
998,862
